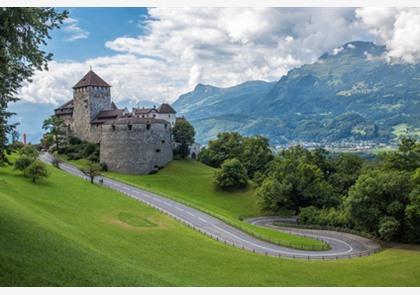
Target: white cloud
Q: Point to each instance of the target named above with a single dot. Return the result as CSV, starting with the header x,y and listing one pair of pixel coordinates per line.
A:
x,y
220,46
75,32
397,28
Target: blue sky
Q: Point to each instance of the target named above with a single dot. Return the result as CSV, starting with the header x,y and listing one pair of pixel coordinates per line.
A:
x,y
101,25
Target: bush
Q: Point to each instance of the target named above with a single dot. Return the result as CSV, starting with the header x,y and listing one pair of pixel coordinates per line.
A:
x,y
388,228
231,175
29,150
23,162
324,217
36,170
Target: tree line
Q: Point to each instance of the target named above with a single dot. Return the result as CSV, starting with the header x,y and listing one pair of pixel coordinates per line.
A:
x,y
380,196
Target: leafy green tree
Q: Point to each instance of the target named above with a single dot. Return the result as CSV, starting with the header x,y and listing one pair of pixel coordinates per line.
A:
x,y
388,228
23,162
322,159
28,155
227,145
273,195
55,126
29,150
184,136
412,211
256,155
347,168
406,158
295,183
92,170
36,170
378,194
231,175
23,31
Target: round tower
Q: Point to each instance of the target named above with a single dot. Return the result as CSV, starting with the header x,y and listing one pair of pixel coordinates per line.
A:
x,y
136,145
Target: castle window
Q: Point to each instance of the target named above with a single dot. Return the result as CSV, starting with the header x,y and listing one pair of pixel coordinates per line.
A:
x,y
113,127
154,116
157,150
166,126
148,126
163,141
130,126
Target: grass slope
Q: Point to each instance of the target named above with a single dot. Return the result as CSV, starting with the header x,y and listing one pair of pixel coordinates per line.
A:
x,y
64,231
191,182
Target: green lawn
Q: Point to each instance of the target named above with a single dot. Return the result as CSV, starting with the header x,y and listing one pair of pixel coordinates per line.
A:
x,y
64,231
191,182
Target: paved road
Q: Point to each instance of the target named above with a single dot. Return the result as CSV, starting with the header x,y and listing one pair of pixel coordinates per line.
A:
x,y
219,230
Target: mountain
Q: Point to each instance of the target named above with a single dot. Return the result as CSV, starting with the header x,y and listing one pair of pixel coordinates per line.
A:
x,y
352,93
207,99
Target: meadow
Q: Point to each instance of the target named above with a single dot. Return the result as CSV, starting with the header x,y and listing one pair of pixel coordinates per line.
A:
x,y
63,231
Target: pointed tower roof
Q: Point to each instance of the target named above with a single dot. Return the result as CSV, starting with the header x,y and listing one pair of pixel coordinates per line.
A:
x,y
91,79
166,109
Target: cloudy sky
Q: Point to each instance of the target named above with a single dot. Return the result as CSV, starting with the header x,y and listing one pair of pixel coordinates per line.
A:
x,y
159,53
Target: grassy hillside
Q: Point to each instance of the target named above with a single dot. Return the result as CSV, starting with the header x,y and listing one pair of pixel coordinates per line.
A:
x,y
191,182
64,231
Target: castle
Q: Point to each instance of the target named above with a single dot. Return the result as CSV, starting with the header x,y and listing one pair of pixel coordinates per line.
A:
x,y
137,142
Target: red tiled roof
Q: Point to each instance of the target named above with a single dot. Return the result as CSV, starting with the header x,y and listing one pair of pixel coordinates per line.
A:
x,y
91,79
166,109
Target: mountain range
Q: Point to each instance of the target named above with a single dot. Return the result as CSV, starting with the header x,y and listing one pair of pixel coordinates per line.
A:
x,y
352,93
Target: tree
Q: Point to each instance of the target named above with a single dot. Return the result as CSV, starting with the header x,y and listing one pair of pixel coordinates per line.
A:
x,y
347,168
412,211
36,170
23,162
256,155
28,155
295,182
227,145
406,158
184,136
231,175
376,195
92,170
29,150
388,228
22,32
55,126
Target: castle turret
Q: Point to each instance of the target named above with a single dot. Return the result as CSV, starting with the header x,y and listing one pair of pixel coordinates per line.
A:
x,y
91,95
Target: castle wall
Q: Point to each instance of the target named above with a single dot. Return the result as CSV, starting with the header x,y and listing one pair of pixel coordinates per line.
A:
x,y
137,151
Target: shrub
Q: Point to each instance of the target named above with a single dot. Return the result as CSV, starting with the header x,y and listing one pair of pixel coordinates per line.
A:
x,y
388,228
36,170
231,175
23,162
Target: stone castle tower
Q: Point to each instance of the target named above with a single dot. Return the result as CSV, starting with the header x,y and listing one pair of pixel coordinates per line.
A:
x,y
91,95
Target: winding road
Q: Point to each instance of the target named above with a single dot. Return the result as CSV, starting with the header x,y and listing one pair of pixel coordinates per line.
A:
x,y
341,245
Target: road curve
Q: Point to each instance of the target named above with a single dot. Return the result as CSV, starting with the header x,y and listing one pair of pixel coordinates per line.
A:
x,y
220,231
